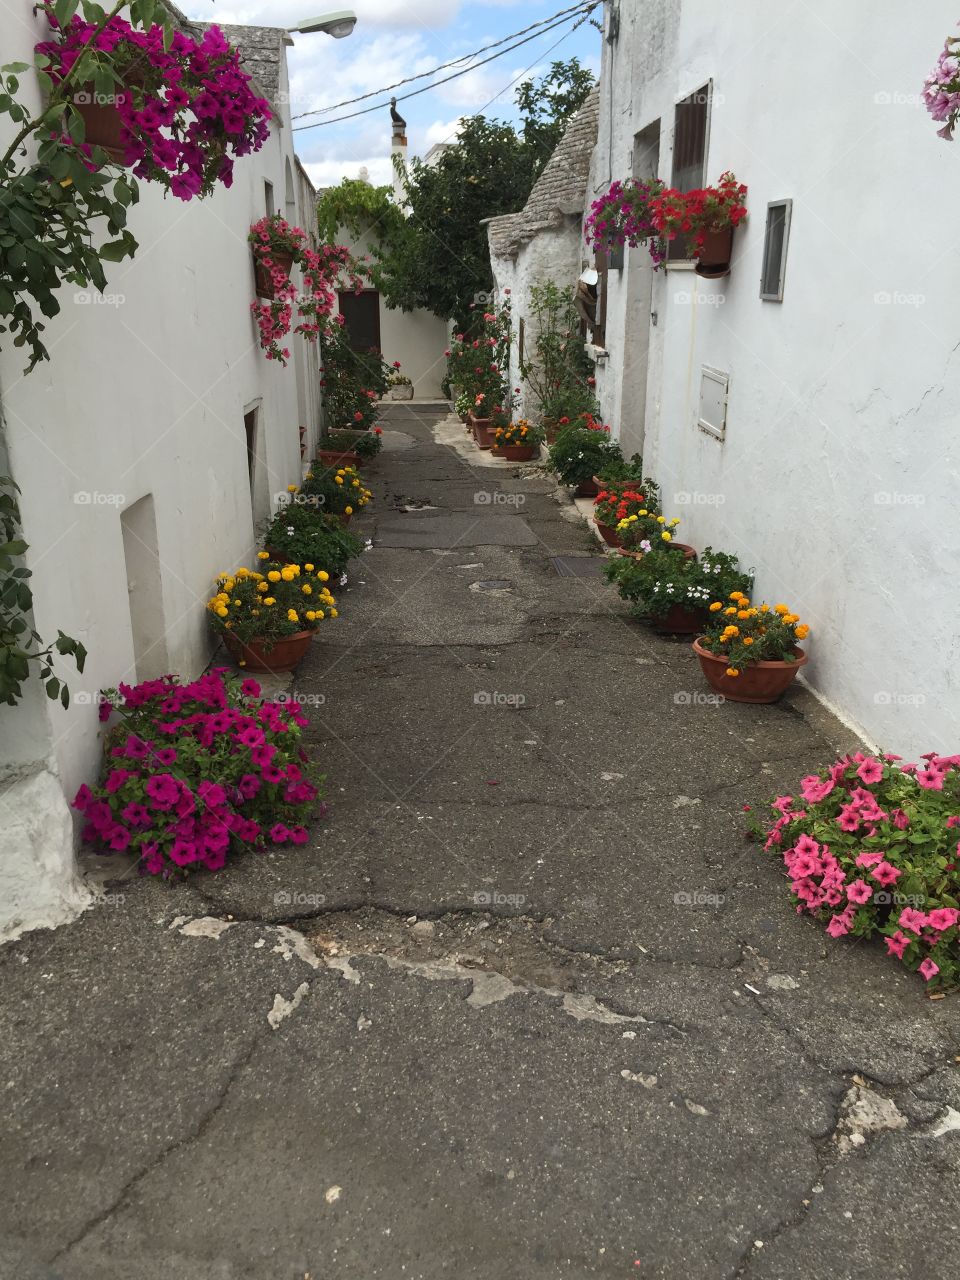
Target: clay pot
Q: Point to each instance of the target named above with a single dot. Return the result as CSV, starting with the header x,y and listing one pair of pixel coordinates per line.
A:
x,y
265,285
283,656
713,260
608,533
518,452
586,489
681,621
102,122
482,431
337,458
757,681
688,551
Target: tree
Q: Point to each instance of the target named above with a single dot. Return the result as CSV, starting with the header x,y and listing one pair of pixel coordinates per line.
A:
x,y
438,258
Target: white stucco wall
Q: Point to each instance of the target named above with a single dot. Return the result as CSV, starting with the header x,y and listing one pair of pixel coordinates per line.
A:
x,y
417,338
145,393
837,479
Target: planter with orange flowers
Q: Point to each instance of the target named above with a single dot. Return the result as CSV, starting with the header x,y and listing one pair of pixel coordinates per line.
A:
x,y
518,441
750,653
267,617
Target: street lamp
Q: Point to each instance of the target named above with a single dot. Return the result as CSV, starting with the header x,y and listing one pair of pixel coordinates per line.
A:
x,y
337,24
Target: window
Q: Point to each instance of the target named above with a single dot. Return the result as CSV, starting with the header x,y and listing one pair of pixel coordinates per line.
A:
x,y
138,528
521,335
714,389
598,335
691,127
268,201
775,250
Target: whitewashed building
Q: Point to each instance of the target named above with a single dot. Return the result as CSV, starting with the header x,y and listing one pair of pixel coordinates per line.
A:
x,y
802,411
147,449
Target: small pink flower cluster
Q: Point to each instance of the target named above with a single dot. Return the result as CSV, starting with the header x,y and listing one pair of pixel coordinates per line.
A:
x,y
622,215
941,89
871,846
198,771
185,110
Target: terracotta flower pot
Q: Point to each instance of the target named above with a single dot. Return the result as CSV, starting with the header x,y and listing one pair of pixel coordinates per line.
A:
x,y
102,122
265,285
337,458
757,681
688,551
482,431
552,428
681,621
713,260
518,452
283,656
586,489
608,533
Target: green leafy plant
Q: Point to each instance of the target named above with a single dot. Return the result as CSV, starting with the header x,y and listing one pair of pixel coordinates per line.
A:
x,y
579,453
272,602
302,535
21,648
560,372
335,490
365,444
357,207
353,381
665,577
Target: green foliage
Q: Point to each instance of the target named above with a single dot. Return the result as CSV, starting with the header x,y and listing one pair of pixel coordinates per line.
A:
x,y
665,577
359,208
439,258
303,535
582,452
365,444
19,643
560,369
353,381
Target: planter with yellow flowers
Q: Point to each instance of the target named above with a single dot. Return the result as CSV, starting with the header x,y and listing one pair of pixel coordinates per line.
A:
x,y
336,491
749,653
267,617
518,441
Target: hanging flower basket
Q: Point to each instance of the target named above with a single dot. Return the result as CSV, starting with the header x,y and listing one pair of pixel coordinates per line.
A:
x,y
267,284
715,253
102,121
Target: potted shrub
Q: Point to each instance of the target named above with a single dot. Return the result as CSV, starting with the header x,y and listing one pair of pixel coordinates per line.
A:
x,y
518,441
869,846
196,773
337,491
401,388
675,592
301,534
708,217
267,618
365,445
751,653
579,452
559,371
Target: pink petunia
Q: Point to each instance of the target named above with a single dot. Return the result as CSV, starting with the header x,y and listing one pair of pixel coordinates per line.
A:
x,y
870,771
814,789
897,944
928,969
913,920
840,924
886,874
868,859
859,892
942,918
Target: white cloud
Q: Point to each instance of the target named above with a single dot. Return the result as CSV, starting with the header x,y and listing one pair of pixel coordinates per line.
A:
x,y
287,13
440,131
328,173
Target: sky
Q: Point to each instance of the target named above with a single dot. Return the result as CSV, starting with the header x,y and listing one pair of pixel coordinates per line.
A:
x,y
394,39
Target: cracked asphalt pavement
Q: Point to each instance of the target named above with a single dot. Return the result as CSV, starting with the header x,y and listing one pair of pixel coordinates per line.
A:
x,y
528,1004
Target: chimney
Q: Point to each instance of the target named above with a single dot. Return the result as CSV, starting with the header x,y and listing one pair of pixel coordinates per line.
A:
x,y
398,152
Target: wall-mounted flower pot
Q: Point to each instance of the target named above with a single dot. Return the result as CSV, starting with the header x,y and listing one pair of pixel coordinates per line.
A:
x,y
713,260
518,452
401,393
757,681
266,288
102,121
283,656
608,533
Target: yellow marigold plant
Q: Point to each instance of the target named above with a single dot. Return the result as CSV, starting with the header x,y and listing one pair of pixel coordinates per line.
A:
x,y
271,602
743,632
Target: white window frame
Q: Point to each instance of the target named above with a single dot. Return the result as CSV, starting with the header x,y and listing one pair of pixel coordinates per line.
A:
x,y
787,206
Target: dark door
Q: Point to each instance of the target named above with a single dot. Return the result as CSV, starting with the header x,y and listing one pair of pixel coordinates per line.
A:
x,y
361,311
